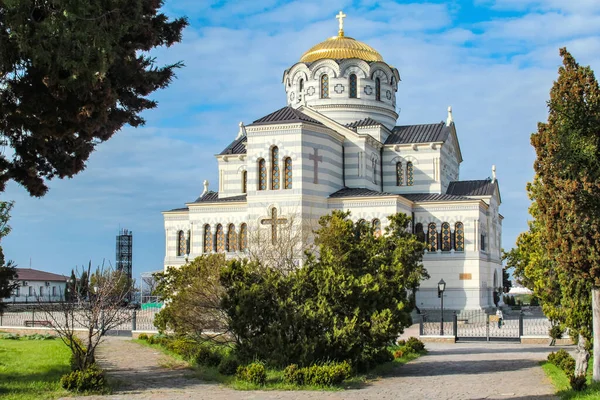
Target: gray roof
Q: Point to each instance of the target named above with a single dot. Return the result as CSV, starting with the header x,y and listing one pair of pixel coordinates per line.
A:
x,y
238,146
179,209
425,133
358,192
416,197
425,197
363,122
285,114
483,187
213,197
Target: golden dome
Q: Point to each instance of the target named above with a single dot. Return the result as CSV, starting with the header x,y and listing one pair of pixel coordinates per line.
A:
x,y
341,47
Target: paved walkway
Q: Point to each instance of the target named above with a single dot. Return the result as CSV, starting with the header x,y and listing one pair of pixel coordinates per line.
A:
x,y
449,371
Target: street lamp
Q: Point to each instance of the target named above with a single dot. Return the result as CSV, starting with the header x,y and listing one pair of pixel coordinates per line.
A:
x,y
441,288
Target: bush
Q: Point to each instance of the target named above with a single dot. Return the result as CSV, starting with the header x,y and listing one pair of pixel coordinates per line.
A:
x,y
184,347
401,343
143,336
90,380
578,383
415,345
399,353
9,336
253,373
562,360
228,366
556,332
38,336
319,375
204,355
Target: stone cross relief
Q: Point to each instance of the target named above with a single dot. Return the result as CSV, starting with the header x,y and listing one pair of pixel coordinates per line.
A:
x,y
317,159
274,221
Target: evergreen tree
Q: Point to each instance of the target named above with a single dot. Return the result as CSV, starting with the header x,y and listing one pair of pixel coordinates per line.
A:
x,y
566,192
8,273
72,73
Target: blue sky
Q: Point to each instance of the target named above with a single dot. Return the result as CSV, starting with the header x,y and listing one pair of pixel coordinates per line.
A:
x,y
493,61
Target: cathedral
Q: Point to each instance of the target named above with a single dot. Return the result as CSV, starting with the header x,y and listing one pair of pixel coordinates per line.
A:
x,y
337,145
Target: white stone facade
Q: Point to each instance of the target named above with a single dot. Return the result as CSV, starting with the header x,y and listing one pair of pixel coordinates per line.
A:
x,y
347,153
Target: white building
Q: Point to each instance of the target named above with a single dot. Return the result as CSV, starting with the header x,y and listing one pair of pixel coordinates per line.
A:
x,y
34,284
337,145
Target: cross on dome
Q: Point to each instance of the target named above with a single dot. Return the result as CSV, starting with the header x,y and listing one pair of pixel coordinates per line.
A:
x,y
341,17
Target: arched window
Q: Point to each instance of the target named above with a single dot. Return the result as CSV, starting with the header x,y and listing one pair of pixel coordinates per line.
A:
x,y
377,89
377,227
410,179
262,174
275,168
244,181
231,238
301,85
419,232
287,184
459,237
208,243
353,83
392,81
243,237
399,174
374,167
432,242
181,245
446,239
324,86
220,239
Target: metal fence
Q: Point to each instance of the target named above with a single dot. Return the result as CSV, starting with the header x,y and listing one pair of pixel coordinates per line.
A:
x,y
479,324
141,320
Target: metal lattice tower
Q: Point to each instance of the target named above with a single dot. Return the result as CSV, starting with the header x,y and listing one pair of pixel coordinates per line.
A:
x,y
124,259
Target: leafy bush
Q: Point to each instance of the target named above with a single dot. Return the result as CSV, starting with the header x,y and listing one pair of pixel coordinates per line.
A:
x,y
158,339
228,366
401,343
563,360
415,345
556,332
204,355
253,373
9,336
399,353
578,383
295,308
38,336
184,347
90,380
143,336
319,375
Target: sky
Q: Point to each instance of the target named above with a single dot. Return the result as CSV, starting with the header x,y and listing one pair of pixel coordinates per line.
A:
x,y
493,61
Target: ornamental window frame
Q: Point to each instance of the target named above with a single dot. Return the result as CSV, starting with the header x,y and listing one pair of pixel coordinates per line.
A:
x,y
399,174
207,245
432,237
275,171
324,86
181,243
219,239
353,86
377,89
410,174
243,238
288,173
446,241
459,236
262,174
231,245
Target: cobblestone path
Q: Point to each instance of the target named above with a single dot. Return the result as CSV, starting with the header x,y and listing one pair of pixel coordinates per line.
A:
x,y
449,371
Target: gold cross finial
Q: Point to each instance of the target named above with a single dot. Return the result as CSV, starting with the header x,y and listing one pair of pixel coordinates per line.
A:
x,y
341,17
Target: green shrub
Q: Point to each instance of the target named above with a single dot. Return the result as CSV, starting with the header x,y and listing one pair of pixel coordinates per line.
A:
x,y
563,360
578,383
9,336
319,375
228,366
568,365
253,373
90,380
401,343
143,336
184,347
399,353
415,345
556,332
293,374
204,355
38,336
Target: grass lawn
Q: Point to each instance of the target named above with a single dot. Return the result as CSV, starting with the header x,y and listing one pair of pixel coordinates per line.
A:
x,y
275,377
31,369
561,382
